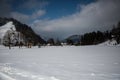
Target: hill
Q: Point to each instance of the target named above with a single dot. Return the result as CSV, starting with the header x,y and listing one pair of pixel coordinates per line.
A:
x,y
24,29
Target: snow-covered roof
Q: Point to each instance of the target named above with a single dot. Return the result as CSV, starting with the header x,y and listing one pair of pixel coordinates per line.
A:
x,y
5,28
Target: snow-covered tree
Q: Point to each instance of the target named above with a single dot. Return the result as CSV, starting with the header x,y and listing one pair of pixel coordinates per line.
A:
x,y
13,38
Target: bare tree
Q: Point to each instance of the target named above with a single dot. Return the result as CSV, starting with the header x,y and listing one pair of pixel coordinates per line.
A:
x,y
9,40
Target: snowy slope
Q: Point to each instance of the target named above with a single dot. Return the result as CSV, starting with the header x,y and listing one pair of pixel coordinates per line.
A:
x,y
109,43
60,63
5,28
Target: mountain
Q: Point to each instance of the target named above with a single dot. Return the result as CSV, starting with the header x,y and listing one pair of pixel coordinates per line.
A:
x,y
24,29
74,39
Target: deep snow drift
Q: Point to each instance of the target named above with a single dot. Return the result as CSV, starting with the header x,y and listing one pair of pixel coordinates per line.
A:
x,y
60,63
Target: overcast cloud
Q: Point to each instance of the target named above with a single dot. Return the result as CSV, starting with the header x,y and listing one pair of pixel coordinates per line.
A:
x,y
100,15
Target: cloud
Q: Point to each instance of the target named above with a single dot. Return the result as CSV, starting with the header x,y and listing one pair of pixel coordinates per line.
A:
x,y
39,13
33,4
19,16
5,7
27,18
35,8
99,15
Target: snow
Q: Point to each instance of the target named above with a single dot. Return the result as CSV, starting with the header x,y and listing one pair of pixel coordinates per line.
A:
x,y
112,42
5,28
60,63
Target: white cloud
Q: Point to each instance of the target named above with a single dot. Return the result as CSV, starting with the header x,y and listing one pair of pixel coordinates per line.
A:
x,y
37,14
99,15
35,7
33,4
19,16
26,18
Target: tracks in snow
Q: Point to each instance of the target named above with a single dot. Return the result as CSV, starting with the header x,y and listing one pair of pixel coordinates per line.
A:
x,y
9,73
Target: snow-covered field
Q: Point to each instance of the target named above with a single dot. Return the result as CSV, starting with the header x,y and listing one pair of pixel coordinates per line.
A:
x,y
60,63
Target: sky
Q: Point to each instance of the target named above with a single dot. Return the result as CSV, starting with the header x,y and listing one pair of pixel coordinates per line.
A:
x,y
62,18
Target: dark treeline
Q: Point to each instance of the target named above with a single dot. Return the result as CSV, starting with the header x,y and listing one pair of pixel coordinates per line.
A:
x,y
92,38
99,37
